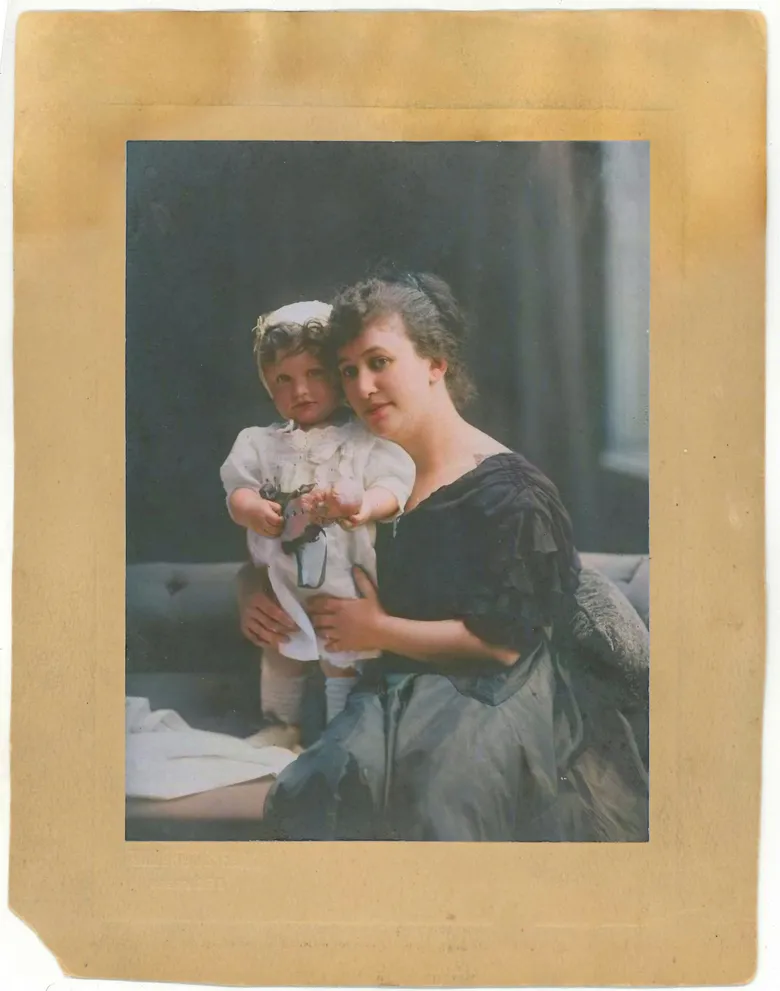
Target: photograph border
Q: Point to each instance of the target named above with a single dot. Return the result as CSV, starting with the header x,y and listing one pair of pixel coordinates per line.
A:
x,y
680,909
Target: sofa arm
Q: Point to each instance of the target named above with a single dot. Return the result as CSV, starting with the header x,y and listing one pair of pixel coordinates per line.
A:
x,y
631,574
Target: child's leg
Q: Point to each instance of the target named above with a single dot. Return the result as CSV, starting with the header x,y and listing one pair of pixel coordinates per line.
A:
x,y
282,684
339,682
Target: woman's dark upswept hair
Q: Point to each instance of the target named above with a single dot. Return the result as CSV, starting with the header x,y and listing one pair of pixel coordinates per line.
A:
x,y
434,321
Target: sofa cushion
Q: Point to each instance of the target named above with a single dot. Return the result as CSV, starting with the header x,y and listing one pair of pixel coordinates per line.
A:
x,y
184,617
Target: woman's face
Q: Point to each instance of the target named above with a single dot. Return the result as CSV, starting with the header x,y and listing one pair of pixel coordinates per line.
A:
x,y
385,381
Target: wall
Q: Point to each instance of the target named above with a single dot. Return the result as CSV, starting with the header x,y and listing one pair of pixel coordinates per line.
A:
x,y
219,232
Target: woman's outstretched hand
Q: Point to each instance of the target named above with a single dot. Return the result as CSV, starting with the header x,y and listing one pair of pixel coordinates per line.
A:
x,y
349,624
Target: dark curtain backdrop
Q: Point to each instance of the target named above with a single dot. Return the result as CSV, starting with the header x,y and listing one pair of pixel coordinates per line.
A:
x,y
218,232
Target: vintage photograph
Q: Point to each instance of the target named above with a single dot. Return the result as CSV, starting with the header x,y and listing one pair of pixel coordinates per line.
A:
x,y
387,539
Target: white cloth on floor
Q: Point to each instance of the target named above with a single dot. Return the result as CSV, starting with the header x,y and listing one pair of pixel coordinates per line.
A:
x,y
166,758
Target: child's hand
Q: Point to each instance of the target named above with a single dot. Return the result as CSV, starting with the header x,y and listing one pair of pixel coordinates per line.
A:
x,y
266,518
337,503
361,517
378,503
347,498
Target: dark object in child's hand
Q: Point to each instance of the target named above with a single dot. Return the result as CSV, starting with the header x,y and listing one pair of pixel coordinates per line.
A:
x,y
299,527
301,536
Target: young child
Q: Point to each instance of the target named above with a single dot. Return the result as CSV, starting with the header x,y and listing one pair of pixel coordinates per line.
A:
x,y
308,490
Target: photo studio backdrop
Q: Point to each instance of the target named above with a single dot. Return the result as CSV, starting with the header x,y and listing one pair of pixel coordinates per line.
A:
x,y
546,245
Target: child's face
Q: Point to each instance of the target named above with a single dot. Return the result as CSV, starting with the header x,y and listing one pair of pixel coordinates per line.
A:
x,y
301,387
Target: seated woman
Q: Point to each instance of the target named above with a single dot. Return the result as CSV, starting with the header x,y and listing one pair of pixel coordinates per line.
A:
x,y
480,720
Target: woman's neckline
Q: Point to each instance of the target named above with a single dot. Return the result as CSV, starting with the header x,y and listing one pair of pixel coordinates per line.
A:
x,y
458,480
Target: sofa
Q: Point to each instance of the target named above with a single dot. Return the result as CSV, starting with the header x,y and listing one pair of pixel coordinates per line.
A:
x,y
184,651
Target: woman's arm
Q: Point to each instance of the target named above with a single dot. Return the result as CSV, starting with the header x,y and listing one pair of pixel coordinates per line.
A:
x,y
362,624
434,641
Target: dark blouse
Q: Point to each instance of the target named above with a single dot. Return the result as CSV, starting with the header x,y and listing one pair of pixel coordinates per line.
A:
x,y
494,548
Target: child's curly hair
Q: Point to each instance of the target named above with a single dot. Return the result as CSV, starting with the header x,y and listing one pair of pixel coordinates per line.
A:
x,y
291,329
293,338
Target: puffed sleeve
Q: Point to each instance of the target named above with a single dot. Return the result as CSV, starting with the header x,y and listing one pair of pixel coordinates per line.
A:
x,y
243,468
390,467
529,572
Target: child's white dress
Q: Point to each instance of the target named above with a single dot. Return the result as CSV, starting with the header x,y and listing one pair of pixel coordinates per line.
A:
x,y
289,458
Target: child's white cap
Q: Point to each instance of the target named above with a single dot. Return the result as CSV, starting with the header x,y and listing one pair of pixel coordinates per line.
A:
x,y
293,313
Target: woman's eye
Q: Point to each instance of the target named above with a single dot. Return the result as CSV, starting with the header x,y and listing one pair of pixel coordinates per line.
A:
x,y
348,372
377,364
316,373
282,379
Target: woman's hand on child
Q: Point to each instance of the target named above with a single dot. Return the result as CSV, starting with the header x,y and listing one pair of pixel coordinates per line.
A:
x,y
263,622
349,624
